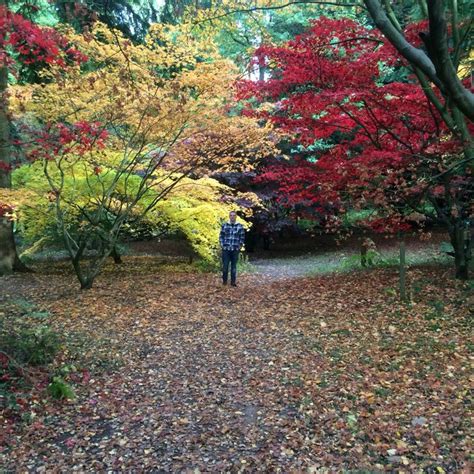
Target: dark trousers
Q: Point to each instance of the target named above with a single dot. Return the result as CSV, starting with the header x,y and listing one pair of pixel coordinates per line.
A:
x,y
229,256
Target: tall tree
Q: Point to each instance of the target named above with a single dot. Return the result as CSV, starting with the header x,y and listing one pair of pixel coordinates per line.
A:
x,y
131,17
174,10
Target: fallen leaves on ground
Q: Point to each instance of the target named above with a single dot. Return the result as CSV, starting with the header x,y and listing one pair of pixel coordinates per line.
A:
x,y
274,375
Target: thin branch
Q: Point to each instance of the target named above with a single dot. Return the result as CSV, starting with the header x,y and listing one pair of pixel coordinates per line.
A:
x,y
280,7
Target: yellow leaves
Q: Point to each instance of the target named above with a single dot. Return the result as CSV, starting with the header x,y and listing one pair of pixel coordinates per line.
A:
x,y
369,397
401,445
131,90
108,47
228,144
16,198
18,98
195,209
177,45
132,86
106,95
210,80
465,67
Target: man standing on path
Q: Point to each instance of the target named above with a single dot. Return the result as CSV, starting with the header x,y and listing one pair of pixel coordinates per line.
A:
x,y
231,238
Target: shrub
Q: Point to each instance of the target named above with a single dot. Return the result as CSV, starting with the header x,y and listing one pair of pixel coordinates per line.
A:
x,y
37,346
60,389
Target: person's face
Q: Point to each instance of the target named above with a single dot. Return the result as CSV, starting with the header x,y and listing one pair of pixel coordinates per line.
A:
x,y
232,217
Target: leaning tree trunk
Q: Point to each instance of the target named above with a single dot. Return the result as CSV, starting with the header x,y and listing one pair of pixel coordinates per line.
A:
x,y
460,236
116,256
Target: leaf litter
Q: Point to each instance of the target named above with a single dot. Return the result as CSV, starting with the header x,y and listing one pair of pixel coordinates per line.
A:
x,y
272,376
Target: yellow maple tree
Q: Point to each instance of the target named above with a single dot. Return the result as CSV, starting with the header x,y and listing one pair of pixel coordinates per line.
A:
x,y
165,110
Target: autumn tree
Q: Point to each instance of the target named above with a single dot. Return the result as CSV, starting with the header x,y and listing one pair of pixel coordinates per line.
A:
x,y
116,136
22,44
375,143
430,40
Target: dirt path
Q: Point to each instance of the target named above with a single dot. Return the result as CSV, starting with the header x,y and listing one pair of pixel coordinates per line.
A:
x,y
184,375
287,268
281,264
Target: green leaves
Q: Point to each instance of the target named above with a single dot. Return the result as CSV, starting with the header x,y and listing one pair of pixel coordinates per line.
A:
x,y
60,389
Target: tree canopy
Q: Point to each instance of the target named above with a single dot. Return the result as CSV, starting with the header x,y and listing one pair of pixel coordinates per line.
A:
x,y
345,106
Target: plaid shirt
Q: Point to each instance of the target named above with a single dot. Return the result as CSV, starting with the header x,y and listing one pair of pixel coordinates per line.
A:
x,y
232,236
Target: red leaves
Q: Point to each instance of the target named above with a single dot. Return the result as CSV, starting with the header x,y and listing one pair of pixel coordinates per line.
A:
x,y
60,139
413,30
33,44
326,85
5,166
391,224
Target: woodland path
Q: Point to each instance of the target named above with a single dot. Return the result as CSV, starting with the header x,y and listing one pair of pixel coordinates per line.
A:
x,y
284,263
176,373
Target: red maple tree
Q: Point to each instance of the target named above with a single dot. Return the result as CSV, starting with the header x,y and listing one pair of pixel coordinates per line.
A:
x,y
377,143
24,42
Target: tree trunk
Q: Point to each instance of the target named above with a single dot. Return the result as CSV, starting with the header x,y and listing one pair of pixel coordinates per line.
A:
x,y
403,271
438,49
443,74
7,242
9,260
116,256
87,284
461,242
7,247
19,266
261,69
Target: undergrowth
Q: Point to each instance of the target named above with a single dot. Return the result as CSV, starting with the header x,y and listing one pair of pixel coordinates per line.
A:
x,y
30,360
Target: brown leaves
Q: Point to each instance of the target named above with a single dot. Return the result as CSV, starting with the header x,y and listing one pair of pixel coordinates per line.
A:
x,y
295,375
